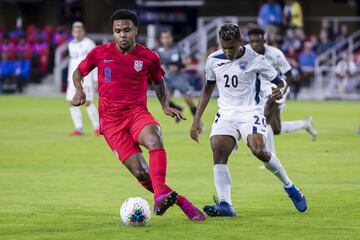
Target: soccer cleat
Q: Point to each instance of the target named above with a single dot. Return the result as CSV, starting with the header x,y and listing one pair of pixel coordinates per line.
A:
x,y
220,209
297,197
76,133
192,212
97,133
310,128
163,202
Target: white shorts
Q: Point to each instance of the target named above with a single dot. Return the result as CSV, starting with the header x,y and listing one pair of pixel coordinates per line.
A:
x,y
241,126
70,92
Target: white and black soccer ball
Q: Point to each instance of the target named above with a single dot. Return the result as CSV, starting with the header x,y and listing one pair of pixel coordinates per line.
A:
x,y
135,211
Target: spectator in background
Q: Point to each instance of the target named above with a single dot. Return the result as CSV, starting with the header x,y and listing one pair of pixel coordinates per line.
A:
x,y
292,39
307,63
25,48
327,26
9,48
292,15
324,43
345,71
6,70
21,72
41,53
191,72
343,33
269,14
171,57
292,57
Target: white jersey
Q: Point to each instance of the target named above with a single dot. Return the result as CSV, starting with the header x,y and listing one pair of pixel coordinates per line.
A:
x,y
77,52
278,60
239,81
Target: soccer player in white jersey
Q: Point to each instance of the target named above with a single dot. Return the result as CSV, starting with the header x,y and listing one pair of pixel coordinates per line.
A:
x,y
273,108
238,73
79,47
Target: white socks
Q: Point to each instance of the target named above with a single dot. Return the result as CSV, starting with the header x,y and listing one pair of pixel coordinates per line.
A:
x,y
93,115
278,170
222,182
292,126
270,142
76,118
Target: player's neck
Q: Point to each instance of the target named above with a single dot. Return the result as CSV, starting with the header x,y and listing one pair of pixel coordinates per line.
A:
x,y
261,51
127,50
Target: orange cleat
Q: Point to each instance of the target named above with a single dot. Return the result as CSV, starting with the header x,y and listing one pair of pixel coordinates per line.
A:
x,y
97,133
76,133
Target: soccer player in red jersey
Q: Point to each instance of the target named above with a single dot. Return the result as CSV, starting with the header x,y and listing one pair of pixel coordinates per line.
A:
x,y
124,68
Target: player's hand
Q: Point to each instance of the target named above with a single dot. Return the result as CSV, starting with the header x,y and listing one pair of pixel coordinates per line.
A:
x,y
277,93
172,112
79,98
195,131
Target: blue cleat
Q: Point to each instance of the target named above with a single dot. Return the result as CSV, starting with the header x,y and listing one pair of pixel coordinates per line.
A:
x,y
297,197
220,209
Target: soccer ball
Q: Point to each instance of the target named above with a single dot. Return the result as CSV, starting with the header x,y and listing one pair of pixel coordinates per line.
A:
x,y
135,211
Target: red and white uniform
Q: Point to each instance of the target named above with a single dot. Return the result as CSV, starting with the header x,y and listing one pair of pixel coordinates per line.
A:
x,y
123,80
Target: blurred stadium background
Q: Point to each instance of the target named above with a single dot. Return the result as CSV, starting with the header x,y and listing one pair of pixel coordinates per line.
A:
x,y
36,32
53,186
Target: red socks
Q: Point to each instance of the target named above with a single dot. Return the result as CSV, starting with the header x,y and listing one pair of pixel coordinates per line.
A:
x,y
147,184
157,167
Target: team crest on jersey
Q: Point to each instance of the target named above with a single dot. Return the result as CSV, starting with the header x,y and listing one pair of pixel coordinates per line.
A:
x,y
138,65
243,64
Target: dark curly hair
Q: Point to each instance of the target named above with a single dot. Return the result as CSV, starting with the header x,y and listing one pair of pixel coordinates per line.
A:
x,y
123,14
256,31
229,31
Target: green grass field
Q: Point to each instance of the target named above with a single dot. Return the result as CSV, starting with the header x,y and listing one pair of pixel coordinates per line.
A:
x,y
56,187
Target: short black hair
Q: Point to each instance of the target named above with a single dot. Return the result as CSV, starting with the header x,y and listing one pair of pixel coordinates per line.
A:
x,y
229,31
124,14
257,31
166,30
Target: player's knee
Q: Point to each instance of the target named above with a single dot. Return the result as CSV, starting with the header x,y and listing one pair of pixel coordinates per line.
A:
x,y
153,141
260,152
220,156
141,174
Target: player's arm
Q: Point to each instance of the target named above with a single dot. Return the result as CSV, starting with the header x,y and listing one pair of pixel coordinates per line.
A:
x,y
79,97
205,95
268,72
160,89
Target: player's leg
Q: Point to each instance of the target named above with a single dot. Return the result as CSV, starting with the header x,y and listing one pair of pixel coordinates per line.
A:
x,y
75,112
94,116
138,167
150,137
306,124
164,196
91,108
222,146
272,115
256,143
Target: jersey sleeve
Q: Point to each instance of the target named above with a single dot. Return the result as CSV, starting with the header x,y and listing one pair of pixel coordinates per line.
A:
x,y
89,63
267,71
209,72
155,71
283,64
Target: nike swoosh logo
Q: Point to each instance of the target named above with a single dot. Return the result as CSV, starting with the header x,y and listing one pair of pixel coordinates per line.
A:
x,y
220,64
107,61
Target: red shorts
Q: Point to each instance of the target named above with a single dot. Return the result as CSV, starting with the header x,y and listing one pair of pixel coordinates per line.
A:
x,y
123,137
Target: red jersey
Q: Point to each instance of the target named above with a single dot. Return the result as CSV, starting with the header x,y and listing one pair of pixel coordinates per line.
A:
x,y
122,78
